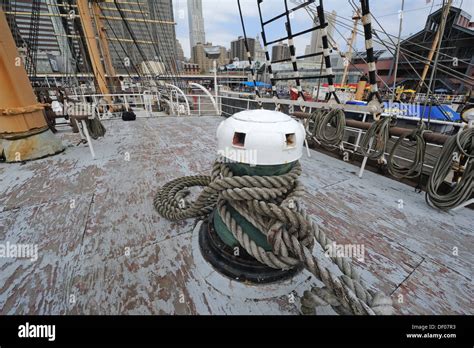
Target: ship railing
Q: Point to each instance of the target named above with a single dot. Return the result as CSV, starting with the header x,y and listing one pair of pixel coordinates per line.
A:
x,y
141,103
353,136
202,105
150,103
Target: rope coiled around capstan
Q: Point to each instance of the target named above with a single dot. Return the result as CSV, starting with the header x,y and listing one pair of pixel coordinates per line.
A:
x,y
270,203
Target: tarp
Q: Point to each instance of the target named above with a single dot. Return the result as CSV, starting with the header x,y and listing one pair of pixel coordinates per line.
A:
x,y
259,84
440,113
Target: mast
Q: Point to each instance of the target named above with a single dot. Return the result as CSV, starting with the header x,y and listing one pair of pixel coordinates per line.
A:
x,y
104,45
356,19
103,40
87,17
398,51
436,39
24,133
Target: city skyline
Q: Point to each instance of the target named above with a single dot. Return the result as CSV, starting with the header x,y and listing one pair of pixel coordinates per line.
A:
x,y
223,23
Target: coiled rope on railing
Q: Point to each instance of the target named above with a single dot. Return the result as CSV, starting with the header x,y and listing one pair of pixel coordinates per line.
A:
x,y
455,146
317,126
415,168
374,141
270,203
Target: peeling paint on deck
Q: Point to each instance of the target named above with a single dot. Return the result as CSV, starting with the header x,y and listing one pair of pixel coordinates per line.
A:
x,y
104,250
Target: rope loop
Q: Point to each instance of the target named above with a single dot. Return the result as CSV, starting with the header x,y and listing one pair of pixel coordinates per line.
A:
x,y
332,135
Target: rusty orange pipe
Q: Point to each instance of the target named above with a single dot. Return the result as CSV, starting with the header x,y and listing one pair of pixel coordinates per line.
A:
x,y
19,109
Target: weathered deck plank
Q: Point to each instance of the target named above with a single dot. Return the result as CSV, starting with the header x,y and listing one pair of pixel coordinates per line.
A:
x,y
111,253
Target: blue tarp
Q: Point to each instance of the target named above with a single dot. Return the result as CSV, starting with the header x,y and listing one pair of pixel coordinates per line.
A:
x,y
416,110
440,113
259,84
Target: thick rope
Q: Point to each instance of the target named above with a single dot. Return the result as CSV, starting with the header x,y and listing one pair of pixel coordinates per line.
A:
x,y
460,144
374,142
414,169
317,126
270,203
96,128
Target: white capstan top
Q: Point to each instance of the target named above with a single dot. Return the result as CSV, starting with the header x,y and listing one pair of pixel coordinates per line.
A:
x,y
260,137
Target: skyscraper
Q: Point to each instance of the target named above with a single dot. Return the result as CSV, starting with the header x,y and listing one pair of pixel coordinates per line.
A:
x,y
179,51
197,33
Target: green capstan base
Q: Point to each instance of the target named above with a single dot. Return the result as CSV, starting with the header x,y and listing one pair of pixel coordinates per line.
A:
x,y
240,169
228,238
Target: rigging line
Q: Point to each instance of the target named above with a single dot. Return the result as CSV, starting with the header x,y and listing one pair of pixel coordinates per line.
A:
x,y
385,32
176,76
156,48
433,72
356,51
411,10
164,29
341,54
438,103
412,53
326,56
121,61
132,35
293,51
408,53
418,58
252,70
123,48
398,51
433,76
267,57
450,72
406,40
174,68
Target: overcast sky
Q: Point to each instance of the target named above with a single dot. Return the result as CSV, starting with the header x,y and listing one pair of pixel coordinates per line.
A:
x,y
222,21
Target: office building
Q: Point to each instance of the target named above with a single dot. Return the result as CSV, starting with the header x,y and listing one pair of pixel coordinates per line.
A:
x,y
205,64
197,33
280,51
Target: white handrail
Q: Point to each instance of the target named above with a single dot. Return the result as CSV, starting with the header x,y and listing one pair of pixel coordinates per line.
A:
x,y
182,93
201,87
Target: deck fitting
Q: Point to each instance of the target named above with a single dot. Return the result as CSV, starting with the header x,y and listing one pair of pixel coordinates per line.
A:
x,y
242,268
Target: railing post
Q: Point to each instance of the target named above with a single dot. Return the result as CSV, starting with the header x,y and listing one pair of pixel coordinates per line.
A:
x,y
199,105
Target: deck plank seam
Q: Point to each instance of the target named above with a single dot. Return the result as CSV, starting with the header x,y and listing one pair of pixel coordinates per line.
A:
x,y
408,276
436,261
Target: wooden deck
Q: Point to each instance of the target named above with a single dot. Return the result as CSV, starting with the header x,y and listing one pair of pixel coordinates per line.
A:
x,y
104,250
